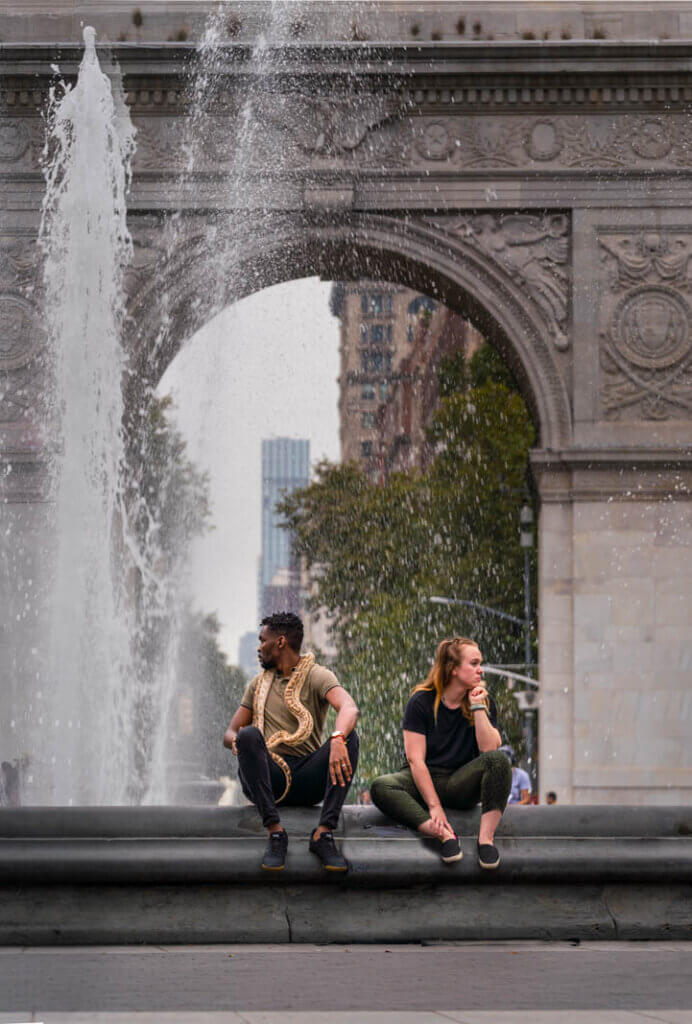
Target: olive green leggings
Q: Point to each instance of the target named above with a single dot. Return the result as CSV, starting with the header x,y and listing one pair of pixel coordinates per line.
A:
x,y
487,778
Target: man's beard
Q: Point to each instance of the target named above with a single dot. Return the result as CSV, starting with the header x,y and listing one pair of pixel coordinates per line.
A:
x,y
267,663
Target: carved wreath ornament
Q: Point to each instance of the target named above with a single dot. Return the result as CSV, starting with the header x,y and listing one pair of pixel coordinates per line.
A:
x,y
646,354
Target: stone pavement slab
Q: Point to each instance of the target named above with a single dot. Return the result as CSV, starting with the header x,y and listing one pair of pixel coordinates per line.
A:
x,y
482,983
363,1017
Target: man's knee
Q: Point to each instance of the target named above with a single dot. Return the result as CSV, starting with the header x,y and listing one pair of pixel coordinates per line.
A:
x,y
249,739
353,744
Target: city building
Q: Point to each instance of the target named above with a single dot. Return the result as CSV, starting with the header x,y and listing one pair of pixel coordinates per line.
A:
x,y
285,467
401,420
378,324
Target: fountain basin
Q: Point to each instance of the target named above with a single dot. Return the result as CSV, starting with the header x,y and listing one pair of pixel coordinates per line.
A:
x,y
185,875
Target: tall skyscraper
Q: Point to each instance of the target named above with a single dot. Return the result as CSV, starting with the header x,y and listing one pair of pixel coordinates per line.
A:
x,y
285,467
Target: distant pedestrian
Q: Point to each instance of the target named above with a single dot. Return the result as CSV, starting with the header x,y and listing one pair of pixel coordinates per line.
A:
x,y
276,734
364,798
551,797
520,792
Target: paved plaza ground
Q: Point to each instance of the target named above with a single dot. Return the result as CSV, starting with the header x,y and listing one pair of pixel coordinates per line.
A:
x,y
479,983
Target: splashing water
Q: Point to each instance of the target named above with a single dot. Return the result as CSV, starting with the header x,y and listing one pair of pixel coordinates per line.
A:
x,y
85,748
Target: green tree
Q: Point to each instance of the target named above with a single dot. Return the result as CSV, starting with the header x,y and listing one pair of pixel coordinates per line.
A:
x,y
383,550
214,689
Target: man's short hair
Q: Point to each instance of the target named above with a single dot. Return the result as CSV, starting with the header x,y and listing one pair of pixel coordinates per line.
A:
x,y
286,624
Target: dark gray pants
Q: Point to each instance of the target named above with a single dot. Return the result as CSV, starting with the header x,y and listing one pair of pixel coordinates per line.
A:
x,y
263,781
487,778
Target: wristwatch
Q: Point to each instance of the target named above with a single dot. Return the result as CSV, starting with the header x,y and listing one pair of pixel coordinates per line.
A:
x,y
337,734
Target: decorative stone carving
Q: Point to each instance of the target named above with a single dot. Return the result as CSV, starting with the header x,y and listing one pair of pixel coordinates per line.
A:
x,y
20,335
21,392
650,140
14,140
533,249
588,142
435,142
20,263
320,126
544,141
646,354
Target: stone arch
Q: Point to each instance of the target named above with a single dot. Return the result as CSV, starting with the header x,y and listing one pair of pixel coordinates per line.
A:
x,y
417,252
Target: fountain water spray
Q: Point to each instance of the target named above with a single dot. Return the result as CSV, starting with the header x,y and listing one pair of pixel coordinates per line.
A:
x,y
87,705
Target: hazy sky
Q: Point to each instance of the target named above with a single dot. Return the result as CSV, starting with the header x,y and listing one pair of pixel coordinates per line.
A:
x,y
266,367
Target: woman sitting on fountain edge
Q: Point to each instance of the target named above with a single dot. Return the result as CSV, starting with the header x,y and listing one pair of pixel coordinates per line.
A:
x,y
451,743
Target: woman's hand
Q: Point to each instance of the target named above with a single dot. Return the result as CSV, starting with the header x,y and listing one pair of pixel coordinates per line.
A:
x,y
439,820
478,695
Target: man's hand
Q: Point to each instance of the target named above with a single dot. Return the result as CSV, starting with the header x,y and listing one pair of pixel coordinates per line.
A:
x,y
340,770
232,741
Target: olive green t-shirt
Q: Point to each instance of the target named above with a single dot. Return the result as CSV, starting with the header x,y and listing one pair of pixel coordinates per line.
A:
x,y
277,715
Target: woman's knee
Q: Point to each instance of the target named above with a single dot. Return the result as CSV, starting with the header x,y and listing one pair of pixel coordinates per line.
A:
x,y
498,763
380,788
249,738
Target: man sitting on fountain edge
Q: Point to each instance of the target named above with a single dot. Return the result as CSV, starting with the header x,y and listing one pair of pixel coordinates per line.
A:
x,y
276,734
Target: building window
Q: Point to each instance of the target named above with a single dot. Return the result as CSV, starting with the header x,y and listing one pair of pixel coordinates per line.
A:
x,y
388,303
389,334
363,334
368,392
384,390
376,361
421,304
388,361
364,304
366,449
367,420
409,333
377,334
376,304
364,362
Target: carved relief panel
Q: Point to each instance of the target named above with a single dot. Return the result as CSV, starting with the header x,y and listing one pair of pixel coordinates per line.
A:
x,y
22,336
646,324
533,249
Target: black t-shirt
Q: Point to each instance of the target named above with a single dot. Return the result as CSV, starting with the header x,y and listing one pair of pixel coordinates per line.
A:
x,y
451,741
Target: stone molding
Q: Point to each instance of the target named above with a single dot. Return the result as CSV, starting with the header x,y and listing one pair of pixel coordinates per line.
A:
x,y
614,473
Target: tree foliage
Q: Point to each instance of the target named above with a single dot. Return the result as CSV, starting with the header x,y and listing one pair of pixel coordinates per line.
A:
x,y
382,550
214,689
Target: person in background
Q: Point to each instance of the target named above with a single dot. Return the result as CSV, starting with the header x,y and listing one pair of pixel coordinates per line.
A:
x,y
520,792
551,797
364,798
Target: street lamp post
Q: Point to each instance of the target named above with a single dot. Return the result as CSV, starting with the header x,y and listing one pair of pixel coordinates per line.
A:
x,y
526,541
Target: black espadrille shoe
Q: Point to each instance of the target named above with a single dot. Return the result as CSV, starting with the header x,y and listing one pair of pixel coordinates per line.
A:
x,y
488,857
450,850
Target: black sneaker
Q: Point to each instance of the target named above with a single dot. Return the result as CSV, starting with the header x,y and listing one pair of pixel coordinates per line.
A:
x,y
275,853
451,850
488,857
325,849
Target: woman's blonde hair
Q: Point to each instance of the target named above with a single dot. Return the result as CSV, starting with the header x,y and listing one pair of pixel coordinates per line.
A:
x,y
449,655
